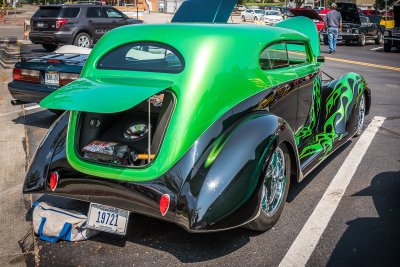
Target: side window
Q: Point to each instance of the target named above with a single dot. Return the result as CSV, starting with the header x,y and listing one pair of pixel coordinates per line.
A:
x,y
297,54
274,57
69,12
112,13
94,12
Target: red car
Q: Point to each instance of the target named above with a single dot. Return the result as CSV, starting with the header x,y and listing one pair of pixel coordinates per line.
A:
x,y
370,12
311,14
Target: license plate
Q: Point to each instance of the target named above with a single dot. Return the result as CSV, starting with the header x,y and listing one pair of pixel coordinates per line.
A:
x,y
339,37
40,24
51,77
107,219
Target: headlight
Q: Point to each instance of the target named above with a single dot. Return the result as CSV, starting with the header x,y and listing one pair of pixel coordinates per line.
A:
x,y
387,33
356,30
348,30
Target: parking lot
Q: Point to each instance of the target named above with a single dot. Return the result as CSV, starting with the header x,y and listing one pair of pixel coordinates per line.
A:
x,y
363,228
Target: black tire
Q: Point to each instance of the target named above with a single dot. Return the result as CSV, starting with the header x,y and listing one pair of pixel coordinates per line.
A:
x,y
360,115
50,47
387,47
266,219
83,40
326,42
361,40
243,18
347,42
379,38
255,19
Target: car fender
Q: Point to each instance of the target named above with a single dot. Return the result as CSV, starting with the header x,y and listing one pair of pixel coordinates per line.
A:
x,y
223,189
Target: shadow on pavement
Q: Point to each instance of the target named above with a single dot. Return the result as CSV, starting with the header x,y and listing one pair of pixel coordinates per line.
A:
x,y
42,119
373,241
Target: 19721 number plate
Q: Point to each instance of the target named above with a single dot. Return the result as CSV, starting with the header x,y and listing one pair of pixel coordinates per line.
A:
x,y
107,219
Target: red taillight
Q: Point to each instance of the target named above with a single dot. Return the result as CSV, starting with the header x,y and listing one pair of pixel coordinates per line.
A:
x,y
53,61
16,74
60,22
66,78
54,180
164,204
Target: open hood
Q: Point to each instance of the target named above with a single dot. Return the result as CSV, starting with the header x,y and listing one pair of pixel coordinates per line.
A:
x,y
308,13
349,12
207,11
396,10
104,95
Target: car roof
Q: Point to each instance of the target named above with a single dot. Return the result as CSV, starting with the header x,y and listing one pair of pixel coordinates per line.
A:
x,y
74,5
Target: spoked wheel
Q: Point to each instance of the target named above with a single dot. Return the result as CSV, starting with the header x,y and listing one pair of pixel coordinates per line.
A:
x,y
83,40
360,115
361,40
276,176
379,38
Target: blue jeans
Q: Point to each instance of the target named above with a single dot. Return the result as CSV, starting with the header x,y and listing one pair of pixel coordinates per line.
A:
x,y
332,38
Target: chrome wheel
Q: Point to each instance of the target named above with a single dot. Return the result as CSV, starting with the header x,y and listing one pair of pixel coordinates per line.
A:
x,y
83,41
274,183
361,113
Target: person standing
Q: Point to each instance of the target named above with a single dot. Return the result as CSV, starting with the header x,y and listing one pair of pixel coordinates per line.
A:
x,y
333,20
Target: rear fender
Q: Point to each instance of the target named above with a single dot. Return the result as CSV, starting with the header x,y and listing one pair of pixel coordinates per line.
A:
x,y
223,189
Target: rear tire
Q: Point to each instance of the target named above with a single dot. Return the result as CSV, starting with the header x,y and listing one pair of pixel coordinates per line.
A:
x,y
83,40
379,38
50,47
387,47
276,175
361,40
360,115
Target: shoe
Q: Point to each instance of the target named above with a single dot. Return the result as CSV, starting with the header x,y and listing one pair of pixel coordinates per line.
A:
x,y
330,52
334,51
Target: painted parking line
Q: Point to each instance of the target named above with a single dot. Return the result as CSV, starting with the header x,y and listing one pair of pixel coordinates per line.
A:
x,y
16,111
305,243
376,48
363,63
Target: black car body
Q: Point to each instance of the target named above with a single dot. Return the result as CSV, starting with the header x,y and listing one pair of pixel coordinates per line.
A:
x,y
78,24
392,36
355,28
34,78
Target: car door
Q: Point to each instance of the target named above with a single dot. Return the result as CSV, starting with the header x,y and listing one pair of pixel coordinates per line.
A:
x,y
97,22
249,14
114,18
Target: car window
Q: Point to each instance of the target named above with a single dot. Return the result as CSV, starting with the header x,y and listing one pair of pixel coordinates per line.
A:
x,y
112,13
47,12
94,12
69,12
364,20
258,11
273,12
143,56
297,54
274,57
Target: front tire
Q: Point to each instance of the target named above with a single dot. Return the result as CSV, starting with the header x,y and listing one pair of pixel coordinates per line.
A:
x,y
276,176
243,18
360,115
387,47
83,40
361,40
50,47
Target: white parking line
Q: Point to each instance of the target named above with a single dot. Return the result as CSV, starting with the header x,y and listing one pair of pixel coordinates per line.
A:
x,y
16,111
305,243
376,48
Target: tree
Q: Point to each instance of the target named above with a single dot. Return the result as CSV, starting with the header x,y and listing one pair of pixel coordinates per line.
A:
x,y
381,4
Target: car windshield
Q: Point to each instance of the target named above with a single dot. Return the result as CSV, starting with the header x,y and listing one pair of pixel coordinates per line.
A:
x,y
364,20
143,56
258,11
273,12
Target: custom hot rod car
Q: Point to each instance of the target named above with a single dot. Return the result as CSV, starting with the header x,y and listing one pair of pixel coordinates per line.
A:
x,y
201,125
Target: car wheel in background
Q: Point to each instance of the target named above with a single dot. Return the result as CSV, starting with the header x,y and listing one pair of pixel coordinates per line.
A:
x,y
276,177
50,47
361,40
243,18
83,40
360,115
255,19
387,47
379,38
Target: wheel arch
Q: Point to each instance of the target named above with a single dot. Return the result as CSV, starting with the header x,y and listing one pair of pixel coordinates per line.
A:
x,y
83,31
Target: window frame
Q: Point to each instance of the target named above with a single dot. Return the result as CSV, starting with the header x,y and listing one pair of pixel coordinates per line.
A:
x,y
93,7
150,43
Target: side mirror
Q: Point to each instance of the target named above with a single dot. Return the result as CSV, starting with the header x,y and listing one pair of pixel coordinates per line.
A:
x,y
320,59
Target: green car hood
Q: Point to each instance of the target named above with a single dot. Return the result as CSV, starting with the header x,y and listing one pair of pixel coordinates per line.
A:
x,y
100,94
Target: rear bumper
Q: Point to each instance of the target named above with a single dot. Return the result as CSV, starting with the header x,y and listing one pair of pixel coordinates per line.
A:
x,y
51,37
30,92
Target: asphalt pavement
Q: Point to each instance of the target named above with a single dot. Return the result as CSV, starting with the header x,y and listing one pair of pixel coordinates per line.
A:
x,y
363,230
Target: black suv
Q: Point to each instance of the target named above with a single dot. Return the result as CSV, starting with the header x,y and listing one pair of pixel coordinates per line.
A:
x,y
392,36
355,27
78,24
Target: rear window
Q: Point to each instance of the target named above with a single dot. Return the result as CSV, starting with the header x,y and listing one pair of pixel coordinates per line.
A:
x,y
143,56
69,12
48,12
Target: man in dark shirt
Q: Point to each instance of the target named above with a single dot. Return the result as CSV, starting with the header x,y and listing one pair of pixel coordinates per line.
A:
x,y
334,21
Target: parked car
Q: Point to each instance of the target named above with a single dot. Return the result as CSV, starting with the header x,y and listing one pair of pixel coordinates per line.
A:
x,y
34,78
272,16
311,14
368,12
392,36
355,28
252,15
387,21
78,24
165,123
